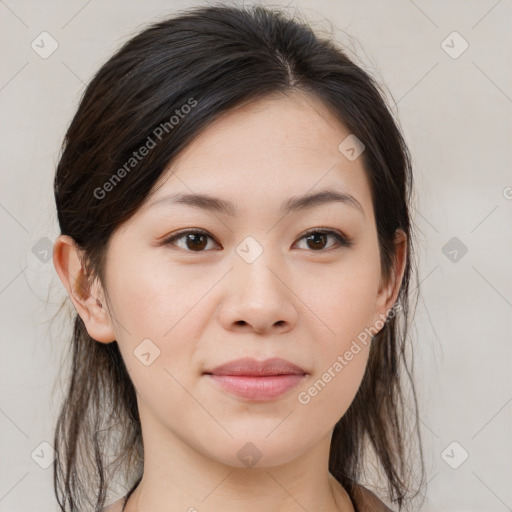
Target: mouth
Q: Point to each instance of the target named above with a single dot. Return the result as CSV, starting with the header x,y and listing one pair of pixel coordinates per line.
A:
x,y
257,380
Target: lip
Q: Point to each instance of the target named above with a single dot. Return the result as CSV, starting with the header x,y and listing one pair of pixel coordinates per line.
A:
x,y
253,368
257,380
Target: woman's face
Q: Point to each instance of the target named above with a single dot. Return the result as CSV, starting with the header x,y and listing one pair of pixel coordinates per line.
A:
x,y
253,285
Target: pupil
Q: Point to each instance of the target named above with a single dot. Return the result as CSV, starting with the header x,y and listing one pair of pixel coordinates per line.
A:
x,y
314,236
194,237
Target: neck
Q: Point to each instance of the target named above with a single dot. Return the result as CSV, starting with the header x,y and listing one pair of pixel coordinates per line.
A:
x,y
177,477
334,499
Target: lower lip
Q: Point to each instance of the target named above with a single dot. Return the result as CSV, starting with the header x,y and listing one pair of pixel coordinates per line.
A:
x,y
258,388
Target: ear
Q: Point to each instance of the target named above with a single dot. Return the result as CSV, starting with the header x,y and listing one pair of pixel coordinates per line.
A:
x,y
389,290
89,301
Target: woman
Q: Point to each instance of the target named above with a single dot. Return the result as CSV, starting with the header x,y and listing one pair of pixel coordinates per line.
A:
x,y
233,199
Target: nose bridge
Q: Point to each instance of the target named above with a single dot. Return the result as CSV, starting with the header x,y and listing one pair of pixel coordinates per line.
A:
x,y
256,267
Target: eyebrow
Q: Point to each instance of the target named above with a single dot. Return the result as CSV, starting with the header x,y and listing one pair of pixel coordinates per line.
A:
x,y
294,204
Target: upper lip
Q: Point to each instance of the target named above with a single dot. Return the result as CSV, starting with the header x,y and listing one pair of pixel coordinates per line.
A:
x,y
253,367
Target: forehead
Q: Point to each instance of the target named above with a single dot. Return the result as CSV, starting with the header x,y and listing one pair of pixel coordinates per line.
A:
x,y
265,151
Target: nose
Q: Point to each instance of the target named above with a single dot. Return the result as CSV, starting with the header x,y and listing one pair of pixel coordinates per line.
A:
x,y
258,298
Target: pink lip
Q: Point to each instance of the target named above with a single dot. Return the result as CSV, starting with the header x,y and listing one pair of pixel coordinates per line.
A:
x,y
257,380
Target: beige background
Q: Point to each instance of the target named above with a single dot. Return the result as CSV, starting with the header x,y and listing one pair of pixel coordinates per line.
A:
x,y
456,116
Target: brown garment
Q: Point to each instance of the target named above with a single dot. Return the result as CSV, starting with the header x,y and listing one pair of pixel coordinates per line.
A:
x,y
365,501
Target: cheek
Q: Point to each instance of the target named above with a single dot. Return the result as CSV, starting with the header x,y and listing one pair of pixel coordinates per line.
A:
x,y
342,349
151,300
345,300
156,313
345,305
333,390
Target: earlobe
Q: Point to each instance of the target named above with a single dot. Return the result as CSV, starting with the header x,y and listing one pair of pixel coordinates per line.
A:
x,y
87,298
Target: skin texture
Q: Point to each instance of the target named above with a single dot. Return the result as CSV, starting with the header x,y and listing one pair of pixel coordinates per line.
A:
x,y
303,301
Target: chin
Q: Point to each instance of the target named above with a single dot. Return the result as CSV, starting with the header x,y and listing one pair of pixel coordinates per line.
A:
x,y
257,452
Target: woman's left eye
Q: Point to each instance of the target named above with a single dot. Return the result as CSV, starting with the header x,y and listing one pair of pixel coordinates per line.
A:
x,y
318,236
196,240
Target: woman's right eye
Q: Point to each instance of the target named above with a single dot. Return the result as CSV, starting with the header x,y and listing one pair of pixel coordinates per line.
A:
x,y
192,240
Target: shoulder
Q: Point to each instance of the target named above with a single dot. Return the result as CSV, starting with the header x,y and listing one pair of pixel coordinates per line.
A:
x,y
367,501
117,506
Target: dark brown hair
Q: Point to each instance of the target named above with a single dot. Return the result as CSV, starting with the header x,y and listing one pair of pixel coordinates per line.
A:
x,y
214,58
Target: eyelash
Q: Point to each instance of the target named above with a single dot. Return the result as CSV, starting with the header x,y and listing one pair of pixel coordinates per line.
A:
x,y
343,241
